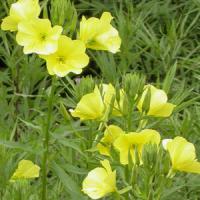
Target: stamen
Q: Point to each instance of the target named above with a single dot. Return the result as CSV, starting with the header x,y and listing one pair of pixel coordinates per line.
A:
x,y
61,59
43,37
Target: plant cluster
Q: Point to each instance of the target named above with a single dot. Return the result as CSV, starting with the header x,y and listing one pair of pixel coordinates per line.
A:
x,y
123,117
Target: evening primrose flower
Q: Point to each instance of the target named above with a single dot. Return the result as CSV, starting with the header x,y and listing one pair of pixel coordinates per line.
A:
x,y
109,96
126,143
108,92
22,10
100,182
69,57
182,155
111,133
159,106
95,105
26,169
37,36
99,34
91,106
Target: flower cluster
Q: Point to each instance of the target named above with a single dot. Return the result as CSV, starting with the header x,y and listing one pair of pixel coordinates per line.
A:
x,y
96,105
62,54
101,103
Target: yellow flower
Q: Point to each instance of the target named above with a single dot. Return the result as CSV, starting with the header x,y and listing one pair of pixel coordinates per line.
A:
x,y
126,143
23,10
37,36
158,102
99,34
182,154
109,96
111,133
108,93
91,106
95,105
69,57
100,181
26,169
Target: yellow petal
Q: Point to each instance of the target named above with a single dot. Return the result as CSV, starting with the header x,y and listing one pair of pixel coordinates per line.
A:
x,y
90,106
103,149
100,181
181,152
147,136
111,133
191,167
124,155
108,93
164,111
99,34
93,184
165,142
55,32
123,146
51,64
23,10
37,36
126,142
158,102
158,97
183,156
109,40
105,163
61,71
26,169
69,57
88,29
106,17
9,23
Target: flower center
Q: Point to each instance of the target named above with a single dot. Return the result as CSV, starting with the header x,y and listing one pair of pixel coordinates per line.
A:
x,y
61,59
91,42
43,37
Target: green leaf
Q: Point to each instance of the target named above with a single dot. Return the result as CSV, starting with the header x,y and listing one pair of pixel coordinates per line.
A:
x,y
69,184
17,145
169,78
124,190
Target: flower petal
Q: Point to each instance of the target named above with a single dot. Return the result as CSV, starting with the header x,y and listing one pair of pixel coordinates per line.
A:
x,y
26,169
90,106
9,23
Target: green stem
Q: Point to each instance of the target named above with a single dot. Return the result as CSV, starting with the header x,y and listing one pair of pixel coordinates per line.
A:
x,y
142,123
129,120
117,196
46,140
100,128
